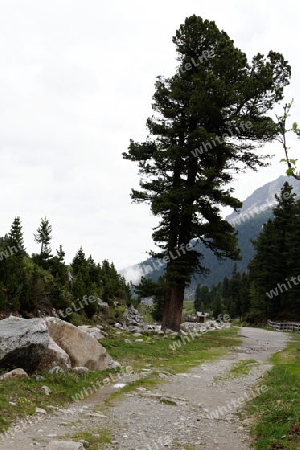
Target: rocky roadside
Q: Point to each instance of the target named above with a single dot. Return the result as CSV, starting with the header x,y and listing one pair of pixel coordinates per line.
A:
x,y
192,410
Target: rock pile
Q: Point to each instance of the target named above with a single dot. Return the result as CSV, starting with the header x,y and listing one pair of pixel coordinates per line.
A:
x,y
133,320
210,325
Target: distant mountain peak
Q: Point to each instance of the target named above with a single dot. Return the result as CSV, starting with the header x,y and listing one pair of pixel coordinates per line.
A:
x,y
263,198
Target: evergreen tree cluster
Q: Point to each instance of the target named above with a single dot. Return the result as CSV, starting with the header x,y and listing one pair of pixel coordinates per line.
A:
x,y
148,288
270,289
275,268
44,281
230,296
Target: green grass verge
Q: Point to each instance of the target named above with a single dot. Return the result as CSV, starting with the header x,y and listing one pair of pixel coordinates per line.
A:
x,y
277,411
172,354
188,308
239,369
93,439
20,398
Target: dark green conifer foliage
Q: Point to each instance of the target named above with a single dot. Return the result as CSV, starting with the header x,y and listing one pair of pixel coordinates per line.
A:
x,y
43,237
148,288
12,266
276,262
203,300
184,166
15,238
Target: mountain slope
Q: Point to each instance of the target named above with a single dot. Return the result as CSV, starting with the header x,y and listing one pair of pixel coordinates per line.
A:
x,y
248,222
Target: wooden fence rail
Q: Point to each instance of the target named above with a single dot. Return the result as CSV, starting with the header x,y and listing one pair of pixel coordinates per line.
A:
x,y
284,326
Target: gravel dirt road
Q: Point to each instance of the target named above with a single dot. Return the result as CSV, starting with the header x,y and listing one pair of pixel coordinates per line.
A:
x,y
191,410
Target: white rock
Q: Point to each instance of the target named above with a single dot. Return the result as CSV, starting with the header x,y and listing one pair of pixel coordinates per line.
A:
x,y
93,331
64,445
16,374
114,364
56,369
81,369
40,411
47,390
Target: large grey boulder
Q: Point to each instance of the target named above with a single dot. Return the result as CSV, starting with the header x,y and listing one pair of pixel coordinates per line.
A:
x,y
22,343
83,349
55,356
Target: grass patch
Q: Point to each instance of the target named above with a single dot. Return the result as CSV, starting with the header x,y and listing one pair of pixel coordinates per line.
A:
x,y
239,369
277,411
21,398
146,382
188,308
172,354
94,439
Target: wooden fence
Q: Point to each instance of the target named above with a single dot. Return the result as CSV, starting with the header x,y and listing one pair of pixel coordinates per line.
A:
x,y
284,326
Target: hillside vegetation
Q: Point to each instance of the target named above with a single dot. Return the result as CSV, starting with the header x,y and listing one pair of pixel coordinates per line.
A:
x,y
37,284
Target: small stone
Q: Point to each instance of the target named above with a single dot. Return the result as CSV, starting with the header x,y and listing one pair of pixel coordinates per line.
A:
x,y
40,411
162,375
81,369
97,415
15,374
47,390
56,369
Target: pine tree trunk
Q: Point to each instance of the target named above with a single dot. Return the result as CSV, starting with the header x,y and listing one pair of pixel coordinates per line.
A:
x,y
172,310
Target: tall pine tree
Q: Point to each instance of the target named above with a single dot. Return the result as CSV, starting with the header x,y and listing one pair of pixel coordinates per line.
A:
x,y
209,116
43,237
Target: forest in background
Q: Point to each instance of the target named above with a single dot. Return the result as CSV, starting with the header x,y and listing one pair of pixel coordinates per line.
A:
x,y
269,288
43,281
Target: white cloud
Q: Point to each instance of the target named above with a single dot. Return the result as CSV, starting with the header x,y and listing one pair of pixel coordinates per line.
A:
x,y
76,83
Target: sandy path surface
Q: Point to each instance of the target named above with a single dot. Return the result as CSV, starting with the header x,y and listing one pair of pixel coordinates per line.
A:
x,y
191,410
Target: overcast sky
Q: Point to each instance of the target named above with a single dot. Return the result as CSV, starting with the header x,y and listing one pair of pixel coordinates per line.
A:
x,y
76,83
